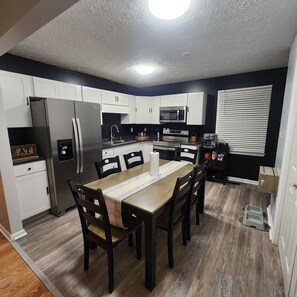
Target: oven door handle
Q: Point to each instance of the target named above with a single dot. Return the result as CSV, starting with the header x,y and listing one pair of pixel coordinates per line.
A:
x,y
163,148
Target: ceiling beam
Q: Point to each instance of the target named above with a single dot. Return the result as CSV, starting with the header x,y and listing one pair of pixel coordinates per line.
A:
x,y
18,21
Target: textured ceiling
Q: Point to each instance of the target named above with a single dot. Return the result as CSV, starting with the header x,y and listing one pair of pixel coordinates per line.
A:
x,y
108,38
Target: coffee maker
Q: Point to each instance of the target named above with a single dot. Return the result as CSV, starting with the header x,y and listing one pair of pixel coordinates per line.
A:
x,y
209,140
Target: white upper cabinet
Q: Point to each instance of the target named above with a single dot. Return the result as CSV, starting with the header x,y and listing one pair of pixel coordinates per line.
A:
x,y
147,110
56,89
174,100
91,95
114,98
94,96
15,89
69,91
130,118
196,108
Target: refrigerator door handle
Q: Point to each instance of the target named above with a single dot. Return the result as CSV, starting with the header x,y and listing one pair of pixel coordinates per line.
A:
x,y
76,145
80,146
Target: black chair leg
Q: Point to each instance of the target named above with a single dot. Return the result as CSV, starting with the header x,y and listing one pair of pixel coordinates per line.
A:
x,y
138,242
184,231
189,225
130,239
197,213
110,270
170,248
86,254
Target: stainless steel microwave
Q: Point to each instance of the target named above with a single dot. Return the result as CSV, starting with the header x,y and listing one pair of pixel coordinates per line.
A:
x,y
173,114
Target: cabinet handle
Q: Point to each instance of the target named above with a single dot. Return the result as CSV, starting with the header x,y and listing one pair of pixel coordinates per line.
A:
x,y
29,169
28,101
47,191
135,109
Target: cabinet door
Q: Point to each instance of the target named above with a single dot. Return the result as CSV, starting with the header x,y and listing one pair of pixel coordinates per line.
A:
x,y
147,148
69,91
174,100
123,99
166,100
180,100
94,96
107,153
33,194
130,118
45,88
196,108
155,110
143,105
15,89
91,95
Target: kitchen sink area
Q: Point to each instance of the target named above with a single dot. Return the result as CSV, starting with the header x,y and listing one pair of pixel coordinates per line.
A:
x,y
119,142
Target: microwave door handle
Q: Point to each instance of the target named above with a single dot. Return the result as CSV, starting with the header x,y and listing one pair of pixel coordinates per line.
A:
x,y
76,144
80,146
177,115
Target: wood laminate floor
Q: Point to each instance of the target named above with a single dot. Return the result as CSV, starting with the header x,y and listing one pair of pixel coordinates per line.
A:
x,y
224,258
16,277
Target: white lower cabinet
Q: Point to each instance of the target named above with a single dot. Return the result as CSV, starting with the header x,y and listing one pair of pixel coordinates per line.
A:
x,y
146,148
32,188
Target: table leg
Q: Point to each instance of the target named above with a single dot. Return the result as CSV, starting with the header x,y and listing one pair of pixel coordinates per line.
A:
x,y
150,253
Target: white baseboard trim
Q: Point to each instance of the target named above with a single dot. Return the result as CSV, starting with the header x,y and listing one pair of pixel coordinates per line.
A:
x,y
5,233
242,180
270,222
18,235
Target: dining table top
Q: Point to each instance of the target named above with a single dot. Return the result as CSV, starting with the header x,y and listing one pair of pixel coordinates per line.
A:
x,y
152,197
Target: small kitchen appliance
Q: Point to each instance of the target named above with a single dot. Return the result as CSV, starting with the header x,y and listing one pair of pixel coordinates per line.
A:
x,y
209,140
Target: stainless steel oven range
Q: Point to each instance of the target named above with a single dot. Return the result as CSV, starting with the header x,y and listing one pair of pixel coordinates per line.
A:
x,y
170,141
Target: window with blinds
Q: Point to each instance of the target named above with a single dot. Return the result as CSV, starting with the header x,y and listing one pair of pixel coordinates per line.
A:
x,y
242,119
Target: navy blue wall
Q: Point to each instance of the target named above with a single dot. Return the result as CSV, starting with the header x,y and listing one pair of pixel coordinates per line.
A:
x,y
239,166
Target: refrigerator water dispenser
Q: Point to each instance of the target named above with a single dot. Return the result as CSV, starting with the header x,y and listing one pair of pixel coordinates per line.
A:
x,y
65,151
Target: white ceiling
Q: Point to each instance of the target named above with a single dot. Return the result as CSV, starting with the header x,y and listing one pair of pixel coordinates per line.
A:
x,y
106,38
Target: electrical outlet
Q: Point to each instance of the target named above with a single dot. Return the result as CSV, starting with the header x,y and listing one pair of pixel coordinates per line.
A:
x,y
144,129
131,130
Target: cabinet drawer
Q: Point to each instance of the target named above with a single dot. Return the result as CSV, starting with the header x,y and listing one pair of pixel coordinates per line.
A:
x,y
29,168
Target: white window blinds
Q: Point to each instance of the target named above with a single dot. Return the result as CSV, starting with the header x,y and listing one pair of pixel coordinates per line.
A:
x,y
242,119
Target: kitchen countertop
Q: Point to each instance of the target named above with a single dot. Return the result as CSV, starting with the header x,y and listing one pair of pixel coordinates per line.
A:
x,y
128,141
25,161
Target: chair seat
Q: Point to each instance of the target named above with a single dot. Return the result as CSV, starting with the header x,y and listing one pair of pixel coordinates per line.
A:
x,y
162,221
117,234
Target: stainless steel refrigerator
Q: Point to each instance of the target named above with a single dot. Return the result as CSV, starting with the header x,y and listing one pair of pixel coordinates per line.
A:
x,y
68,134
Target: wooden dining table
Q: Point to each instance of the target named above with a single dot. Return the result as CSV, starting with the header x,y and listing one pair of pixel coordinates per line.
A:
x,y
147,204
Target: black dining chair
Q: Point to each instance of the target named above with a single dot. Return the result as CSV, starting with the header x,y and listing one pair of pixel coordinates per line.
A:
x,y
186,154
197,195
108,166
133,159
96,228
176,212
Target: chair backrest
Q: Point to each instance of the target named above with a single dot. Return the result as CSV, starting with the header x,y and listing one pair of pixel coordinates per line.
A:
x,y
108,166
133,159
186,154
92,211
199,178
181,195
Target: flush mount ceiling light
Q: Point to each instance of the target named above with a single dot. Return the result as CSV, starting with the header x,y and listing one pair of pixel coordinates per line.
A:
x,y
168,9
145,69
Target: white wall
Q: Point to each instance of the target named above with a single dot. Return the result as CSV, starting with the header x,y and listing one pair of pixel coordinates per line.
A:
x,y
285,138
9,186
